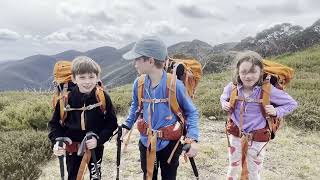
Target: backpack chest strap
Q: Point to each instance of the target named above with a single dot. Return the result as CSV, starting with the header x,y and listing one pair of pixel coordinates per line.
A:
x,y
250,100
84,108
155,101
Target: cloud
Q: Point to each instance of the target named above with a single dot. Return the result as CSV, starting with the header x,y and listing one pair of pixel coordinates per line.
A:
x,y
292,7
72,13
58,36
194,11
94,34
8,35
165,28
147,5
58,25
82,33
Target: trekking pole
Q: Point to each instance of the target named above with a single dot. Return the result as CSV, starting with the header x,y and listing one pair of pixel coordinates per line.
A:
x,y
126,142
60,141
119,151
93,155
186,148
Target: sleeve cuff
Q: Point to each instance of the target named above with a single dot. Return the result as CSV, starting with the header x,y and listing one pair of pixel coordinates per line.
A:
x,y
125,126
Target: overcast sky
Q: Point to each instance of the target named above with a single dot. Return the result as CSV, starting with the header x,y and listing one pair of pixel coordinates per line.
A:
x,y
52,26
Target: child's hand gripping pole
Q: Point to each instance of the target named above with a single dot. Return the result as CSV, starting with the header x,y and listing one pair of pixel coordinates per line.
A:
x,y
89,135
186,148
60,141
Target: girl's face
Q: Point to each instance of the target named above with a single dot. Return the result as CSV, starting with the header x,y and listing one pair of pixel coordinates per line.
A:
x,y
249,74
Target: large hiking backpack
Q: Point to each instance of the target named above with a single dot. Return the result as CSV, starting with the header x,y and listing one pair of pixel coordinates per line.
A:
x,y
189,71
190,80
277,75
62,81
280,75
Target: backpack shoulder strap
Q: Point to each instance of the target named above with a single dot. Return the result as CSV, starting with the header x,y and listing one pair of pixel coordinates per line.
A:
x,y
63,103
233,96
172,96
171,86
140,90
101,98
265,96
273,122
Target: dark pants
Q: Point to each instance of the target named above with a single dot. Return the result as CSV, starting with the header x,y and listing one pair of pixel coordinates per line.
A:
x,y
168,171
73,163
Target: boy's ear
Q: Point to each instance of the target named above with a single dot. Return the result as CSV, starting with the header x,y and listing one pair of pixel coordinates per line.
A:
x,y
151,60
73,79
99,82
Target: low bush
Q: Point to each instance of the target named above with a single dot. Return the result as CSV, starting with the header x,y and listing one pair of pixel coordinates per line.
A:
x,y
22,153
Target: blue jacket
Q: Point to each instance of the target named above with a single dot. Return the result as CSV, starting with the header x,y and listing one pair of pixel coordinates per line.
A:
x,y
162,110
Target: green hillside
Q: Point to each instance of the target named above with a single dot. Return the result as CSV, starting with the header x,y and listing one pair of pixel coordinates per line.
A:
x,y
25,114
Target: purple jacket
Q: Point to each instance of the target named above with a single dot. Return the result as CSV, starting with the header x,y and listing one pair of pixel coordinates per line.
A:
x,y
252,117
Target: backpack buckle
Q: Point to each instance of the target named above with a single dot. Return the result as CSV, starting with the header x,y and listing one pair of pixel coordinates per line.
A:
x,y
67,108
251,100
91,106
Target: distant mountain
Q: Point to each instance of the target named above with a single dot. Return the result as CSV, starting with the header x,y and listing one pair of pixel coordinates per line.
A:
x,y
308,37
30,72
196,49
68,55
126,48
104,55
281,38
36,71
224,47
123,74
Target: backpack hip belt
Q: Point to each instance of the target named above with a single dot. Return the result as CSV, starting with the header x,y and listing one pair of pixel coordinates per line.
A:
x,y
72,148
260,135
171,132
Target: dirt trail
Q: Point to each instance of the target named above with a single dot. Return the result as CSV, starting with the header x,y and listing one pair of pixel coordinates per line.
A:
x,y
293,155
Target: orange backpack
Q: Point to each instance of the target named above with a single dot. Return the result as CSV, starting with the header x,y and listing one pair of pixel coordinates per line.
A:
x,y
62,80
280,75
189,71
277,75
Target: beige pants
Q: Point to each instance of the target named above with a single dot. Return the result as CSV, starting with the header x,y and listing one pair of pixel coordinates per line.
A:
x,y
254,162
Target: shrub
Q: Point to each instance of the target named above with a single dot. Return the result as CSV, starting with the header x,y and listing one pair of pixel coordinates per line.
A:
x,y
121,98
25,110
22,153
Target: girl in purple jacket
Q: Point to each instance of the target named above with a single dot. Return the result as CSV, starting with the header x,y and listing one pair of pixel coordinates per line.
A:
x,y
248,116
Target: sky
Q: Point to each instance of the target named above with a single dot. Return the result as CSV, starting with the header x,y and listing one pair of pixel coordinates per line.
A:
x,y
53,26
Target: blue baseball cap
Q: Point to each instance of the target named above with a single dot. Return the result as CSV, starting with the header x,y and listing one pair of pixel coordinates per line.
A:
x,y
149,46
